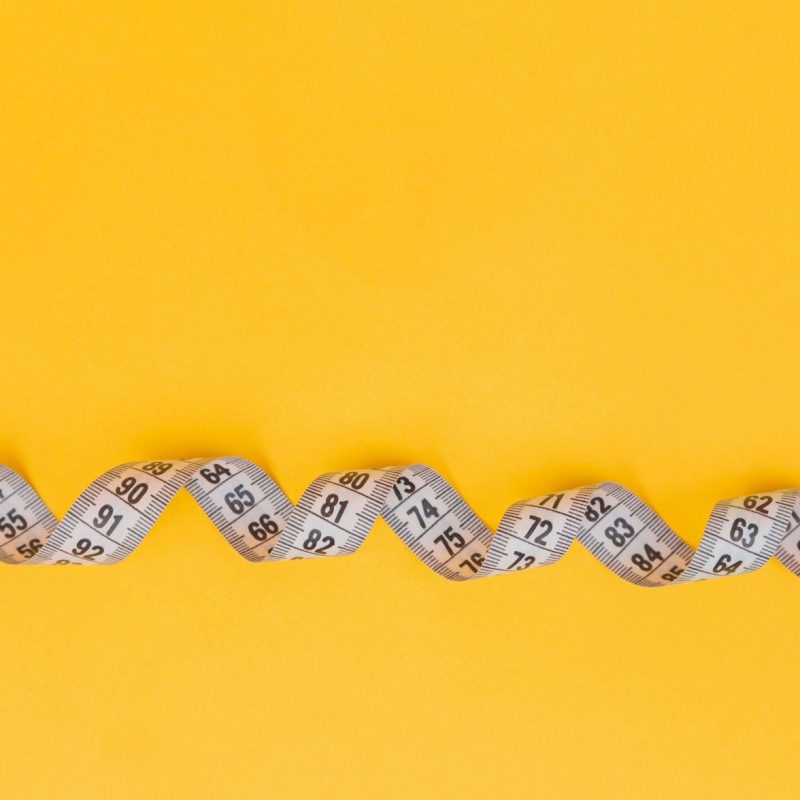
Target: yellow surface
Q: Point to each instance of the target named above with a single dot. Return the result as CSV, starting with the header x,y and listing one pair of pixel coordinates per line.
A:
x,y
531,244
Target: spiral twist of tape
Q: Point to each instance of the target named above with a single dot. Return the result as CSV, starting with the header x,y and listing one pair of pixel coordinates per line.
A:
x,y
334,515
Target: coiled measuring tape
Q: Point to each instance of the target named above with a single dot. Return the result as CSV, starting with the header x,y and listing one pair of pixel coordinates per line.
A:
x,y
334,515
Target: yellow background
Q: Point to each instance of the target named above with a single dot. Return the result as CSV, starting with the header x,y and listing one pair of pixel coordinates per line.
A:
x,y
532,244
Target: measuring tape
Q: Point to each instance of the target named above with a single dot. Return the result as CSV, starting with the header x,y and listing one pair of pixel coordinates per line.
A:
x,y
335,514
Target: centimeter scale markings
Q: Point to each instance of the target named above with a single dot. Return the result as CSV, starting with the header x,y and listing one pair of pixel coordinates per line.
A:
x,y
335,514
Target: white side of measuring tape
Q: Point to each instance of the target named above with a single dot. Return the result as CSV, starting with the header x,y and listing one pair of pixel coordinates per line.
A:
x,y
335,514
